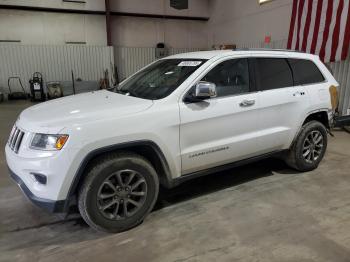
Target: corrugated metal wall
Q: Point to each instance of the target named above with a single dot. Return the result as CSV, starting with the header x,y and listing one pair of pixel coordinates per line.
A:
x,y
341,72
280,44
54,62
131,59
89,62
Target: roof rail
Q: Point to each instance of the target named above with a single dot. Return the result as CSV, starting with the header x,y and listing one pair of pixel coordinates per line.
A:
x,y
267,49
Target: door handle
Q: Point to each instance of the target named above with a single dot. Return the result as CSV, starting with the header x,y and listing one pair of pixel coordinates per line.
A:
x,y
299,93
246,103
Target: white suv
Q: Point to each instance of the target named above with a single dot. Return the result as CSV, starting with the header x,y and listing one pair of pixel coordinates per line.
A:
x,y
181,117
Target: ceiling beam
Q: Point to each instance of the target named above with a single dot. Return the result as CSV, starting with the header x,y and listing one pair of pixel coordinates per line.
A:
x,y
97,12
108,23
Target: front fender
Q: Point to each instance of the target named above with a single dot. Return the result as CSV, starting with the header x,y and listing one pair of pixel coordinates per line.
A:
x,y
78,175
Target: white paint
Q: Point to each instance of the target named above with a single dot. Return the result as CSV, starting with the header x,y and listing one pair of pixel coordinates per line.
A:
x,y
168,122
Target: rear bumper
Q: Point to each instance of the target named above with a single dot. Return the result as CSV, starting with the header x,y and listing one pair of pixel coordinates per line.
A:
x,y
49,205
342,121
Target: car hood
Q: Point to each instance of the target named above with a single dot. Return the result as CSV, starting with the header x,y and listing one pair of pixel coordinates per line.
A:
x,y
76,109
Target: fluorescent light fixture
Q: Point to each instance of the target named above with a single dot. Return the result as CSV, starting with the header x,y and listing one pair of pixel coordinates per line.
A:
x,y
264,1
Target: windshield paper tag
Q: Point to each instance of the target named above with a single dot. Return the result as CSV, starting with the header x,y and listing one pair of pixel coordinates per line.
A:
x,y
190,63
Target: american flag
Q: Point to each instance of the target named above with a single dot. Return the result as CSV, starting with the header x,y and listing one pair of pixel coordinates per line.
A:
x,y
320,27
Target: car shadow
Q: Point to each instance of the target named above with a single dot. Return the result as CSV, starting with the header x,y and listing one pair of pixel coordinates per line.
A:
x,y
73,228
211,183
208,184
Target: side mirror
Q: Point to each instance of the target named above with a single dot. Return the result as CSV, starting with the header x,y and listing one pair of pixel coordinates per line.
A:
x,y
205,90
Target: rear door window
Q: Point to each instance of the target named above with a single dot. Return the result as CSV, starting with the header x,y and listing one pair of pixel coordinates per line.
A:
x,y
272,73
305,72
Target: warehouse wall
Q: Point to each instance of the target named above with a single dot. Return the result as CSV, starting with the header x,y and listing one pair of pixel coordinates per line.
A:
x,y
195,7
89,5
147,32
245,21
56,28
54,62
52,28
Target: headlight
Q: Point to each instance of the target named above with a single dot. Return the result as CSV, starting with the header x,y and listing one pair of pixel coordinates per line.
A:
x,y
48,142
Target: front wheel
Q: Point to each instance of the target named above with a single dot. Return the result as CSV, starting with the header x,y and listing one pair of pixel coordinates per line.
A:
x,y
118,192
309,148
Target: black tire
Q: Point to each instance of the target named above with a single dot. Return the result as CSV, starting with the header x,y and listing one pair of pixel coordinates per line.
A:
x,y
296,156
108,169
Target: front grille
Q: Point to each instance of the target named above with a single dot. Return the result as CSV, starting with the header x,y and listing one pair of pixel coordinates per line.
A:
x,y
15,139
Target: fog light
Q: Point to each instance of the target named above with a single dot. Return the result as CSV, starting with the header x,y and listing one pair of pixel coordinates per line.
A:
x,y
40,178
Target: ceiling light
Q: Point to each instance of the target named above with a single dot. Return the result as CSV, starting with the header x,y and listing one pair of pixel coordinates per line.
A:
x,y
264,1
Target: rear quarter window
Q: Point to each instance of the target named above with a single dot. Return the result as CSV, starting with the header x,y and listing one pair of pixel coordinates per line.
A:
x,y
305,72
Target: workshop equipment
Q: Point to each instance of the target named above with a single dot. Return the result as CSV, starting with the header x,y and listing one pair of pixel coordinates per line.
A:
x,y
17,94
161,51
2,97
73,83
37,87
104,82
54,90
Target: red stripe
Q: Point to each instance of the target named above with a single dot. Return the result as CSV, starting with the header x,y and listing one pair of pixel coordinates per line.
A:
x,y
317,26
326,29
300,13
292,24
346,43
307,25
335,37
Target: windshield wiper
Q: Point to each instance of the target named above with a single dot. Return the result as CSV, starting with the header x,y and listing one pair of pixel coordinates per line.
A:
x,y
120,91
126,92
132,93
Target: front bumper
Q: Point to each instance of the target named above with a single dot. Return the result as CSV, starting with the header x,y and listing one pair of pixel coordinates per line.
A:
x,y
52,165
49,205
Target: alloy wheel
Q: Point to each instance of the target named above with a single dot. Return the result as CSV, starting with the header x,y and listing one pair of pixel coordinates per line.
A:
x,y
121,194
313,146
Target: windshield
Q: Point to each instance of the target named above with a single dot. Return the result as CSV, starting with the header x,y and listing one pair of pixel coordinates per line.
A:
x,y
159,79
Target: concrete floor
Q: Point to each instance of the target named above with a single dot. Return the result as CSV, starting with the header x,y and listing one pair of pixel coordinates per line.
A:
x,y
261,212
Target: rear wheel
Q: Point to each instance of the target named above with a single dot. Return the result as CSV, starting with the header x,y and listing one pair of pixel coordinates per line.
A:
x,y
118,192
309,148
